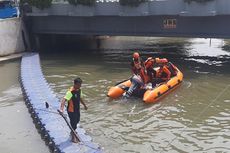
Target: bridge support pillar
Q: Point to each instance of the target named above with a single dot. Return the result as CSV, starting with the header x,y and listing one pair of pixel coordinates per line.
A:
x,y
98,42
53,40
37,42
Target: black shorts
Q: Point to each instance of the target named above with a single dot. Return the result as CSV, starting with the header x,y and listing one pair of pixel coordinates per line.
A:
x,y
74,119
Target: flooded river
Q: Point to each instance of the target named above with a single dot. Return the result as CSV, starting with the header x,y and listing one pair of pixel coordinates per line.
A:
x,y
193,118
17,131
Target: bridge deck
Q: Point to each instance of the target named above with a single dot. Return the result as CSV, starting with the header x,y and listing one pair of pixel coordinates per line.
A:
x,y
150,8
158,18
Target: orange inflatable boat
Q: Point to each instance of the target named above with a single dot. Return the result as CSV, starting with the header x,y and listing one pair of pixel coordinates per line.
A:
x,y
150,95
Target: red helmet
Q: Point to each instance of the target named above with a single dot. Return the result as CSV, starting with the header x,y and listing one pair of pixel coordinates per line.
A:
x,y
136,56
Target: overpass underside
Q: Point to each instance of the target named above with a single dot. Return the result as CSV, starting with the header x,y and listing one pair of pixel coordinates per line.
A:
x,y
163,26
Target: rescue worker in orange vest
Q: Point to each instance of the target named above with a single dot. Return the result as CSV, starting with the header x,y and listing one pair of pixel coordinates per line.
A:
x,y
136,63
74,98
138,67
162,75
172,69
149,65
139,75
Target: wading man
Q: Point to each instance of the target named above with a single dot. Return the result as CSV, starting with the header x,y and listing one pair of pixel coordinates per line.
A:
x,y
73,98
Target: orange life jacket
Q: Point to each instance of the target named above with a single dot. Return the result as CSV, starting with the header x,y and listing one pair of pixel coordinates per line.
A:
x,y
161,61
144,75
163,73
149,63
136,66
74,102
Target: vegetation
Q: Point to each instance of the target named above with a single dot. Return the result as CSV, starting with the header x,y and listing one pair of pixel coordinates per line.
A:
x,y
131,2
73,2
41,4
82,2
198,1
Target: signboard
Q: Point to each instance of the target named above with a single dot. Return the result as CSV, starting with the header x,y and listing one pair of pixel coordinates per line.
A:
x,y
169,23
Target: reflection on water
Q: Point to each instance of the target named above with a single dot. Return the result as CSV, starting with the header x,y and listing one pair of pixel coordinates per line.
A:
x,y
194,118
207,47
17,131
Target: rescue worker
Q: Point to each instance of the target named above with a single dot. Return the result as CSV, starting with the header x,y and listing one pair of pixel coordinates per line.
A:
x,y
73,97
139,78
138,67
172,69
136,63
162,75
149,66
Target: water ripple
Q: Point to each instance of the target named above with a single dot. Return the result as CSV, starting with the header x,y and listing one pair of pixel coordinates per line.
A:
x,y
170,125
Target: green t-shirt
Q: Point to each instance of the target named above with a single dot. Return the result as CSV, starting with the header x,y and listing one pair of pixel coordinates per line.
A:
x,y
69,95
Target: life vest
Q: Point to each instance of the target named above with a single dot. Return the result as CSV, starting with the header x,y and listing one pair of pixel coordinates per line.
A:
x,y
74,102
136,66
161,61
144,75
149,63
163,73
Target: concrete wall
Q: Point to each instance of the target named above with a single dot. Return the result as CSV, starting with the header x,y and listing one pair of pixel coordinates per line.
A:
x,y
11,37
151,8
153,18
204,27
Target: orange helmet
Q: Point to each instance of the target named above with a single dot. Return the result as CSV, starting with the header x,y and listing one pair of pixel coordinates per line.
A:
x,y
136,56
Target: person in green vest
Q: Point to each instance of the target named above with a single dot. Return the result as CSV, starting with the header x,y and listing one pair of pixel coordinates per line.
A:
x,y
73,98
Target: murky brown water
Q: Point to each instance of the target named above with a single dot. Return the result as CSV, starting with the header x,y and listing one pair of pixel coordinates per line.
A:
x,y
193,118
17,131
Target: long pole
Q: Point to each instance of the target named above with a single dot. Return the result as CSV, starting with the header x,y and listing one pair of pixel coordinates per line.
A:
x,y
72,130
67,122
